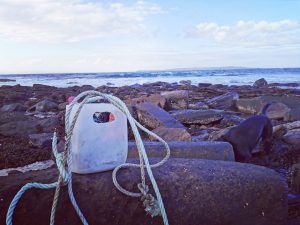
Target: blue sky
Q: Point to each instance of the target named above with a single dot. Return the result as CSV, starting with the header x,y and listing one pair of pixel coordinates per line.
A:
x,y
99,36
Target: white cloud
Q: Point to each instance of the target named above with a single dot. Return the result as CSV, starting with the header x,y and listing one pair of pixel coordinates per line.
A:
x,y
71,20
250,32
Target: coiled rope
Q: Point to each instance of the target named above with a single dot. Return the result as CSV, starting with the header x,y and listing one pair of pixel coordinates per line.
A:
x,y
64,161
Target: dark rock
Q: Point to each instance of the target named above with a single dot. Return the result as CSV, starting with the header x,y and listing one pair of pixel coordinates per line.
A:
x,y
224,101
224,193
185,82
176,99
15,107
277,110
249,106
153,116
190,116
293,115
292,137
172,134
198,105
31,125
204,85
231,120
7,80
260,83
44,106
43,140
182,149
294,178
62,106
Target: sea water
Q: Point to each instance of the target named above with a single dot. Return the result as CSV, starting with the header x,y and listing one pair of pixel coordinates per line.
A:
x,y
214,76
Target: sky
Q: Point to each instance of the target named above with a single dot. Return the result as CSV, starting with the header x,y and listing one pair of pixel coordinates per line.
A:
x,y
53,36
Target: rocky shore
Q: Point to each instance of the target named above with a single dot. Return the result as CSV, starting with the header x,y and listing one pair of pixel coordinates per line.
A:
x,y
178,112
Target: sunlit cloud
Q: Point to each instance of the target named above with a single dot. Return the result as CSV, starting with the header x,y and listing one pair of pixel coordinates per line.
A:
x,y
71,20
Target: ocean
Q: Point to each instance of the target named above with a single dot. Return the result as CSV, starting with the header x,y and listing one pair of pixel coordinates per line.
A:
x,y
214,76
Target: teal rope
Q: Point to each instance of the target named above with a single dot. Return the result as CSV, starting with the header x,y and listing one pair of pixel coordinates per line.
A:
x,y
66,175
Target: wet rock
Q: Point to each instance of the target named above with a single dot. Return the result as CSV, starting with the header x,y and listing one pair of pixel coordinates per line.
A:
x,y
224,101
172,134
190,116
198,105
182,149
153,116
277,110
31,125
185,82
176,99
44,106
15,107
7,80
43,140
224,192
157,100
231,120
249,106
260,83
294,178
204,85
292,137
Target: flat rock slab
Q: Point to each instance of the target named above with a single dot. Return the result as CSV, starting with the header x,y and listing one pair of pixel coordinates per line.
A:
x,y
180,149
194,191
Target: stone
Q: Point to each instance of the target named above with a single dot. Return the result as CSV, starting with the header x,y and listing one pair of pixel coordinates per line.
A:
x,y
178,99
7,80
157,100
15,107
31,125
249,105
224,192
198,105
260,83
293,114
153,116
185,82
42,140
191,116
204,85
277,110
180,149
292,137
224,101
294,177
218,134
231,120
172,134
44,106
62,106
288,126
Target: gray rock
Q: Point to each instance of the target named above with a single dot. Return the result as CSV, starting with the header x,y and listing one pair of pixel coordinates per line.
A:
x,y
15,107
157,100
185,82
44,106
43,140
292,115
153,116
182,149
224,101
190,116
62,106
31,125
294,178
260,83
176,99
249,106
194,191
277,110
172,133
231,120
198,105
292,137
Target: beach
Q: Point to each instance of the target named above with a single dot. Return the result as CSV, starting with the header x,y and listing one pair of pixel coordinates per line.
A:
x,y
198,113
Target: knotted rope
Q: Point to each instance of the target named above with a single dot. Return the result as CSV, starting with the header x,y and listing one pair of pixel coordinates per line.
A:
x,y
64,161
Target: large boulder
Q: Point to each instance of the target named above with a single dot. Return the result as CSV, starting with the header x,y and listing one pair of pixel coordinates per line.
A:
x,y
153,116
44,106
180,149
249,105
31,125
43,140
191,116
292,137
224,101
277,110
260,83
14,107
224,192
157,100
178,99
